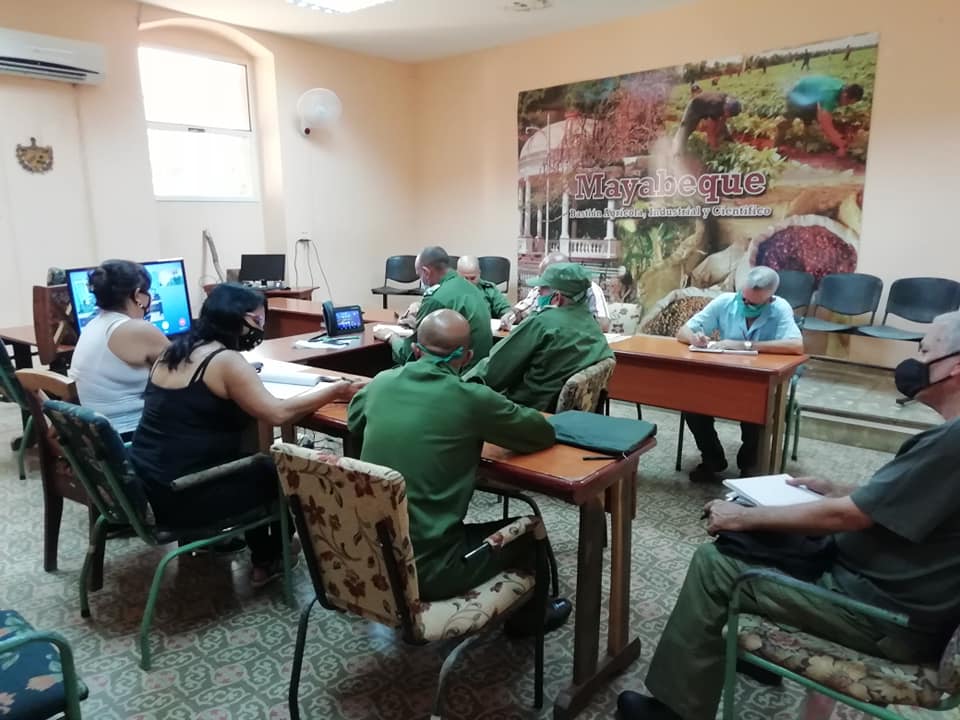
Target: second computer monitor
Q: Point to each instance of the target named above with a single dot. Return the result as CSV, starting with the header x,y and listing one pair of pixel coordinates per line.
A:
x,y
262,268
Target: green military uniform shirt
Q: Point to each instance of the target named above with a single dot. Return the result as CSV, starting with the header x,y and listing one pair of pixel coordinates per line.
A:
x,y
425,422
540,354
454,293
496,300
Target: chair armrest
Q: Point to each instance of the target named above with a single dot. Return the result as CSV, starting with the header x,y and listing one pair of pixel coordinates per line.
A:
x,y
202,477
71,684
778,578
526,525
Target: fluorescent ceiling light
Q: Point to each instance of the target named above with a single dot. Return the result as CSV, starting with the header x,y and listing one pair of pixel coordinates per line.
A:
x,y
337,6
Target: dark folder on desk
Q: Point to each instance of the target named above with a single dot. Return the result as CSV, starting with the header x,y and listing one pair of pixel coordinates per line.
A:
x,y
601,433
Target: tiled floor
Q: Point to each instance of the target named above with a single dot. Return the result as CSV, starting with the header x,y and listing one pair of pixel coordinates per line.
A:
x,y
223,651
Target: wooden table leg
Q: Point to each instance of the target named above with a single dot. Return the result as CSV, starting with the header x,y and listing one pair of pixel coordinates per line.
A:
x,y
780,424
588,674
765,448
22,356
621,525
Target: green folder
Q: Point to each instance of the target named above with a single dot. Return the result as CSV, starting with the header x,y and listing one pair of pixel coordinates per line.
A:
x,y
614,436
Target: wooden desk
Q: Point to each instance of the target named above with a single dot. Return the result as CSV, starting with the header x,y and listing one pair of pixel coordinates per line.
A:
x,y
301,293
664,373
367,358
291,316
22,339
562,473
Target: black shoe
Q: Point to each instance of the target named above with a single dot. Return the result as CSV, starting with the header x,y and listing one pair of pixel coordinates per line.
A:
x,y
558,611
707,474
634,706
757,673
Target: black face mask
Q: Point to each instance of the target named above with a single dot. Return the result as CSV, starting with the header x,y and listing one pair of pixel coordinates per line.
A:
x,y
250,339
912,376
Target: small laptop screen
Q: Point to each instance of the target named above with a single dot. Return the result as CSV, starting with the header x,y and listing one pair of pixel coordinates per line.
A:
x,y
170,301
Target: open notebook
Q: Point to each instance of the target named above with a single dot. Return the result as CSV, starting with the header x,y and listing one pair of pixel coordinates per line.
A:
x,y
771,491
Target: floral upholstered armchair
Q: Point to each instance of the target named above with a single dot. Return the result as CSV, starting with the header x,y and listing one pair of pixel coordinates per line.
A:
x,y
37,676
586,390
624,318
867,683
353,523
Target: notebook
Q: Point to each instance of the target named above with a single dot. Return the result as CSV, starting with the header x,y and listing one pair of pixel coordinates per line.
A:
x,y
771,491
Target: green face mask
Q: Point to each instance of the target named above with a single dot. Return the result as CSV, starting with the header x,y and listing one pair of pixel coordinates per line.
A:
x,y
751,312
544,300
438,359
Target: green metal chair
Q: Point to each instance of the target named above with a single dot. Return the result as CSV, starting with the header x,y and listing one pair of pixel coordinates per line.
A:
x,y
99,459
37,676
868,683
791,425
10,388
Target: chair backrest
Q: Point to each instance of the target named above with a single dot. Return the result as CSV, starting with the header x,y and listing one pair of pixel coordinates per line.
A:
x,y
495,269
9,385
54,467
401,268
347,513
921,299
850,293
52,321
584,390
99,459
796,287
454,259
624,317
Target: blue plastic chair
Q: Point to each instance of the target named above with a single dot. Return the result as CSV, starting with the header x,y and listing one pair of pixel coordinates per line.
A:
x,y
850,294
400,269
796,287
919,300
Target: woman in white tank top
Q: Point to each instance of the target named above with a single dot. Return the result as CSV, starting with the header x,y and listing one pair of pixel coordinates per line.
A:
x,y
117,348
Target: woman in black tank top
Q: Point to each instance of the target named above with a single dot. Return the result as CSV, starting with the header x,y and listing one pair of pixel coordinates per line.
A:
x,y
201,408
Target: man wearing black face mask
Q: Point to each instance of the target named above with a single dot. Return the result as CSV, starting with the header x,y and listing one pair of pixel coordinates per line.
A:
x,y
897,541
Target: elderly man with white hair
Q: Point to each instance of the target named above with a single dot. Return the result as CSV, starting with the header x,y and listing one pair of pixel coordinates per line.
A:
x,y
753,318
469,269
896,543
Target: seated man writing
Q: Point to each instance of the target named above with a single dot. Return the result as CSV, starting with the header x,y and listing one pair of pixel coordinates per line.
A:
x,y
444,289
752,319
897,540
468,267
596,302
425,422
561,338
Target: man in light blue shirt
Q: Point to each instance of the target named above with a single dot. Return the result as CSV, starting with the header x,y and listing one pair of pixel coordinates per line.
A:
x,y
752,319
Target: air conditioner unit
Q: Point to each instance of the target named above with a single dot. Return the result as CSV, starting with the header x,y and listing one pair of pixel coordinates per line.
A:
x,y
51,58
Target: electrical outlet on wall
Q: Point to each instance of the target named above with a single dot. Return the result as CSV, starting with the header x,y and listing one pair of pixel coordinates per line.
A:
x,y
304,237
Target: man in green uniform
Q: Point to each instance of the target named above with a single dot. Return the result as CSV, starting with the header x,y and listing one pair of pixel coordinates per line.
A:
x,y
422,420
561,338
897,545
446,289
815,97
469,269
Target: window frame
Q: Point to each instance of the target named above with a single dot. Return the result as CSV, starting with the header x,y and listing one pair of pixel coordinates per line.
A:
x,y
252,133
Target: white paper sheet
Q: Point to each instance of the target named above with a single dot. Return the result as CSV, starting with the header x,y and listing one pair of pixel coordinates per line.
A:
x,y
282,391
771,491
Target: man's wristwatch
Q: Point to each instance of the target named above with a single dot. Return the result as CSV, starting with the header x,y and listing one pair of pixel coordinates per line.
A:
x,y
747,345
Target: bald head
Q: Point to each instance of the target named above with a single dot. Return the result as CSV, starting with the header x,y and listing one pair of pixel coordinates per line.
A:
x,y
552,259
469,268
443,331
943,338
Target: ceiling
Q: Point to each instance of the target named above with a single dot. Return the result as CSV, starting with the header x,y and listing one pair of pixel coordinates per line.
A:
x,y
416,30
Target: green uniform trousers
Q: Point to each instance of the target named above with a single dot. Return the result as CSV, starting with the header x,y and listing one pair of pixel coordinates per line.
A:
x,y
686,672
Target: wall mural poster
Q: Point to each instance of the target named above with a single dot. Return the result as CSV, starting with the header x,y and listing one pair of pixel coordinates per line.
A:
x,y
670,184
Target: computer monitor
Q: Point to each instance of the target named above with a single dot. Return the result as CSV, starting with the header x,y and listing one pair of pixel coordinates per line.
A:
x,y
262,268
170,301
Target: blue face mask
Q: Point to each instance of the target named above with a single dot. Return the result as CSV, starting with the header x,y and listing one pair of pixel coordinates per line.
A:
x,y
438,359
750,311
